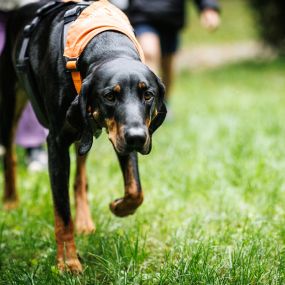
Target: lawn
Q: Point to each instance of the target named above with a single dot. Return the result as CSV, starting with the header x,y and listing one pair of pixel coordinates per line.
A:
x,y
214,195
214,209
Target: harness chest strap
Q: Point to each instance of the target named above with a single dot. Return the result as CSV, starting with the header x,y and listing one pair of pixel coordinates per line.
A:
x,y
98,17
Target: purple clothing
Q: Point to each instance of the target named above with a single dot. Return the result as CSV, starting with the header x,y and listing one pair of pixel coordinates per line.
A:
x,y
30,133
3,20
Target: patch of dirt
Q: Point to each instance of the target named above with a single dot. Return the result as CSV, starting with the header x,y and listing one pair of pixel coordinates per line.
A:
x,y
212,56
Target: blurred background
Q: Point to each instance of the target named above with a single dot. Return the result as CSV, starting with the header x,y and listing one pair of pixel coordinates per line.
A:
x,y
214,182
249,30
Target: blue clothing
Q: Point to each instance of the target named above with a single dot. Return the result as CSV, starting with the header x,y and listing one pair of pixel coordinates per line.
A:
x,y
169,39
168,14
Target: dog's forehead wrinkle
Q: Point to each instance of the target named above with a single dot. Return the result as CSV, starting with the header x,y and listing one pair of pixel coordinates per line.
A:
x,y
130,112
128,82
123,68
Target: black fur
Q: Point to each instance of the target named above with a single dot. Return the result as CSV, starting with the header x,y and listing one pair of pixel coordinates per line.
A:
x,y
109,59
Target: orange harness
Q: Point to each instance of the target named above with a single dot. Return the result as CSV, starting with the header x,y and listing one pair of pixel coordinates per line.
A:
x,y
98,17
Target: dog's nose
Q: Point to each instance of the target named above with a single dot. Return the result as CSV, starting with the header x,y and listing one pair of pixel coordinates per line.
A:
x,y
135,137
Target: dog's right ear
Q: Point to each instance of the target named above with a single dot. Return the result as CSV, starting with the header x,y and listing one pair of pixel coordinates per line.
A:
x,y
74,115
86,140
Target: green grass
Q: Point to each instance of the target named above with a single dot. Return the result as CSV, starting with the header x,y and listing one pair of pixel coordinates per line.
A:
x,y
214,206
237,24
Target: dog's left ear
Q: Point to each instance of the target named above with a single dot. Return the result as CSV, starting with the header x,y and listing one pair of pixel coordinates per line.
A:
x,y
86,139
161,110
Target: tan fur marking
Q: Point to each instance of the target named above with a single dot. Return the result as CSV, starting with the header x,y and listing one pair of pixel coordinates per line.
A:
x,y
142,85
95,115
83,220
10,195
66,249
113,131
111,128
132,199
147,122
117,88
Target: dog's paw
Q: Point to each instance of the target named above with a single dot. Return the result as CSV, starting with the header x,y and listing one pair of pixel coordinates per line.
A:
x,y
83,221
10,204
70,265
85,226
61,265
74,265
126,206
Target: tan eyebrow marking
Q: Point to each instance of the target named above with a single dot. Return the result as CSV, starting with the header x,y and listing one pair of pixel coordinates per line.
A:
x,y
117,88
141,85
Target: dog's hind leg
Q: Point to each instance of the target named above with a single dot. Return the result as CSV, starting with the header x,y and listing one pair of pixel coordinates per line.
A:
x,y
10,109
83,220
59,169
133,193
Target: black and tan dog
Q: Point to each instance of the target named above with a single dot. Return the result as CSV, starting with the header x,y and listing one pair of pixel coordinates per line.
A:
x,y
118,93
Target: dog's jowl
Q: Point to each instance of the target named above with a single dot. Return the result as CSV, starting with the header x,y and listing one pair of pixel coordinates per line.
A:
x,y
79,82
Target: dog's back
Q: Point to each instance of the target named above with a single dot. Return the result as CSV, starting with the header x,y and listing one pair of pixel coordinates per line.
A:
x,y
10,106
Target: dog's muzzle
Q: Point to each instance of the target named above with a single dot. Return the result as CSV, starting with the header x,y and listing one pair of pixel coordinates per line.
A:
x,y
137,139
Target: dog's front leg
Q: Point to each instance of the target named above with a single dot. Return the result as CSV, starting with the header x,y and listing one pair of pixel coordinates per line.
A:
x,y
59,168
133,193
83,220
10,195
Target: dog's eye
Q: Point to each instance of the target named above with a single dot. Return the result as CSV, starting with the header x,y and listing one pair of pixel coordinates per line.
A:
x,y
148,96
110,96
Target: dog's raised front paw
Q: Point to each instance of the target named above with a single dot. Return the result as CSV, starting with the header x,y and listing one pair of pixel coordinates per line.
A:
x,y
126,206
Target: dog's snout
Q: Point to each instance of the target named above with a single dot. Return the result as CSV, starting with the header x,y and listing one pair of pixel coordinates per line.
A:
x,y
135,137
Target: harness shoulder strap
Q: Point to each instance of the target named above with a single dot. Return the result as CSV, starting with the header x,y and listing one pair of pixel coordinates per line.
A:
x,y
98,17
23,60
71,64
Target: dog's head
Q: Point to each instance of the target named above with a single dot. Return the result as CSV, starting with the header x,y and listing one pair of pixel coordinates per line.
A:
x,y
126,98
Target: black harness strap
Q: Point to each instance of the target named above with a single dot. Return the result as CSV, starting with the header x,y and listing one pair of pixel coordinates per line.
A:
x,y
23,66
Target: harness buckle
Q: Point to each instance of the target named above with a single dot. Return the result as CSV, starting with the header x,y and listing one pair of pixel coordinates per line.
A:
x,y
72,64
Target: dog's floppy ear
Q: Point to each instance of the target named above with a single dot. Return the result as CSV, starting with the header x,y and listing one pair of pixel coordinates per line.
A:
x,y
160,107
86,139
74,115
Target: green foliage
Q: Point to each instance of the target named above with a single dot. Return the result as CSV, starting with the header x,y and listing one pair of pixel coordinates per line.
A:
x,y
214,195
270,17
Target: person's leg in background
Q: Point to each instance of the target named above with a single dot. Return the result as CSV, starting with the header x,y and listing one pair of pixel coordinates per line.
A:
x,y
159,46
31,136
167,73
169,42
149,40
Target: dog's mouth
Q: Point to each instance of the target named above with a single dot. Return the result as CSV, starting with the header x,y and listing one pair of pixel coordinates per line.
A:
x,y
124,148
129,139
